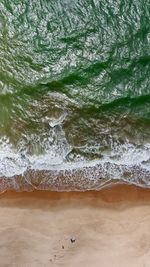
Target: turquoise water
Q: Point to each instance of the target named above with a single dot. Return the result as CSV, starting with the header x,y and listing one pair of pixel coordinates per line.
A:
x,y
74,94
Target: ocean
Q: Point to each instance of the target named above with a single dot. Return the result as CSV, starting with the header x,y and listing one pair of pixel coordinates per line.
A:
x,y
74,94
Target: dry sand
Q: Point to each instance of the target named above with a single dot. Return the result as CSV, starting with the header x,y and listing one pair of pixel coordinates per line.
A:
x,y
111,227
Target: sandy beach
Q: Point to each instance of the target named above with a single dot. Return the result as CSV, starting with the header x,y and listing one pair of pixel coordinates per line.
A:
x,y
109,228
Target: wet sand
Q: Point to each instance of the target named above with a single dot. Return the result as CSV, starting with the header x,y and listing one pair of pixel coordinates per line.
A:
x,y
110,227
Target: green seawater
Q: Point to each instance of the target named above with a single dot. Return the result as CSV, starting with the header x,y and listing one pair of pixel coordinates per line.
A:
x,y
75,87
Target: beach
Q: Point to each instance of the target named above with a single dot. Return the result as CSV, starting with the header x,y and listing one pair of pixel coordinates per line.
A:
x,y
74,118
106,228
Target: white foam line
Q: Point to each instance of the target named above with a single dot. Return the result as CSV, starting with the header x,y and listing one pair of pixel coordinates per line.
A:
x,y
13,163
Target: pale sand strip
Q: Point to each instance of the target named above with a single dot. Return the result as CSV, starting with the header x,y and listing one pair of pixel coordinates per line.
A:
x,y
111,227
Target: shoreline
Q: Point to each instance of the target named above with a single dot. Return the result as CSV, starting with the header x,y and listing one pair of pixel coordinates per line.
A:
x,y
110,193
110,228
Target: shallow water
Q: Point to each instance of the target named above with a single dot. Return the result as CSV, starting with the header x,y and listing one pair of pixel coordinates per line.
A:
x,y
74,94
